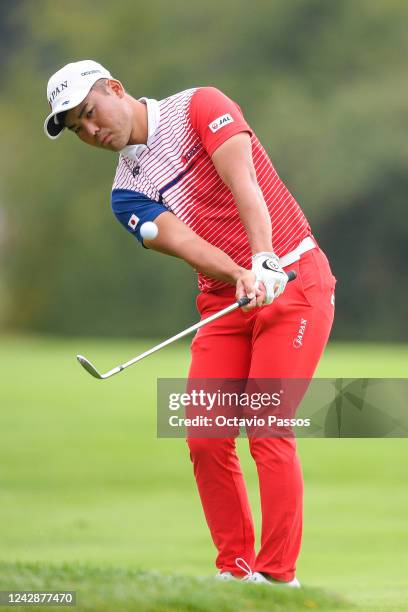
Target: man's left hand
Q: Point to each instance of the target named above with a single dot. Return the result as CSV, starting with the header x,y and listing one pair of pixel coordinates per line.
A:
x,y
270,273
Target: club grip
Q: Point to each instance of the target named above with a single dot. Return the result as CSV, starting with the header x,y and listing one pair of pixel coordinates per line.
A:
x,y
245,300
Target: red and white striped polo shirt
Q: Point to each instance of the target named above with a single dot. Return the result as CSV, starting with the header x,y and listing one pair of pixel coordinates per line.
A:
x,y
175,170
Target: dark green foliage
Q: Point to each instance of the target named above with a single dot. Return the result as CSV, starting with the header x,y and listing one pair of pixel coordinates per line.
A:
x,y
323,84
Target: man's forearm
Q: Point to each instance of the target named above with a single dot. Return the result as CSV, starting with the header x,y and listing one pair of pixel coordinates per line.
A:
x,y
176,239
254,214
210,260
234,164
203,257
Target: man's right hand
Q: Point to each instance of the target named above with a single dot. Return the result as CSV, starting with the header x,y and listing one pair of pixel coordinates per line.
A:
x,y
246,286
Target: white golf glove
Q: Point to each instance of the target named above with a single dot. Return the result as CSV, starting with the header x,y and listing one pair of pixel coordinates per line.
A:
x,y
268,271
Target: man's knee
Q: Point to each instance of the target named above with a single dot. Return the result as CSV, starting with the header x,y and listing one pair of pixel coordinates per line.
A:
x,y
277,450
209,447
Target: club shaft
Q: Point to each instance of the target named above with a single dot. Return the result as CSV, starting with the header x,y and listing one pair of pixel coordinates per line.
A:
x,y
178,336
238,304
242,302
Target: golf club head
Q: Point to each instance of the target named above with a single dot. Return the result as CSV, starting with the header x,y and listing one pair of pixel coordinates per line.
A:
x,y
88,367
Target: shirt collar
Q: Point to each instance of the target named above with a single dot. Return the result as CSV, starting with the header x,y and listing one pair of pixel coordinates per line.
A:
x,y
153,120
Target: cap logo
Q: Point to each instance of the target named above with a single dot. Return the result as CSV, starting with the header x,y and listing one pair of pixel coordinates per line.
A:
x,y
89,72
57,91
271,264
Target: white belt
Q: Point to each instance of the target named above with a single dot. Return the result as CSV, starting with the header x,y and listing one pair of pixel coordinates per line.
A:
x,y
307,244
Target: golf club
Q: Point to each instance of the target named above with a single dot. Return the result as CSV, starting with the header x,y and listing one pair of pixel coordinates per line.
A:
x,y
85,363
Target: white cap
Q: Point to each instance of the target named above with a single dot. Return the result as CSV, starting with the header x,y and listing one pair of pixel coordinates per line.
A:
x,y
67,88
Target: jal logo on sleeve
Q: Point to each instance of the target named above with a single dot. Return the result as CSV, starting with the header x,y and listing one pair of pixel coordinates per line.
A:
x,y
219,123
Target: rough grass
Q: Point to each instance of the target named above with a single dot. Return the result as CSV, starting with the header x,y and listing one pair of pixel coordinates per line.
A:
x,y
115,589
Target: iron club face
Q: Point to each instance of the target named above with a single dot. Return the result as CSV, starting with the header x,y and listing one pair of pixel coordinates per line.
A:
x,y
88,366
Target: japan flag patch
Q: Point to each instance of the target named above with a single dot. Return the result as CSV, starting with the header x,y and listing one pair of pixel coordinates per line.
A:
x,y
133,221
219,123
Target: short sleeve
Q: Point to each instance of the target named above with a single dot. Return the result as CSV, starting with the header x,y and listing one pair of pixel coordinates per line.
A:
x,y
132,209
215,117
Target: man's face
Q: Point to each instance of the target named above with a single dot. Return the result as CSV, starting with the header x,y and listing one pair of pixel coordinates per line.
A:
x,y
103,119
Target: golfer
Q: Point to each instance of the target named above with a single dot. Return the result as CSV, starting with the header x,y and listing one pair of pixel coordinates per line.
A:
x,y
193,165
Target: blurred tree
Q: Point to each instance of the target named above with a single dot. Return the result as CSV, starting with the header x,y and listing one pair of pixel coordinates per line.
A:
x,y
324,86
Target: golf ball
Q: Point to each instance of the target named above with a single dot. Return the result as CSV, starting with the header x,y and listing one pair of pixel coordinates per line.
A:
x,y
149,230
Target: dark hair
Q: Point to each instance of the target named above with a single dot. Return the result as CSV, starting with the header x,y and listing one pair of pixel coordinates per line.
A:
x,y
101,85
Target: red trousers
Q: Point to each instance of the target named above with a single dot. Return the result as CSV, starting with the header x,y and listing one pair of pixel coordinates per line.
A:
x,y
282,340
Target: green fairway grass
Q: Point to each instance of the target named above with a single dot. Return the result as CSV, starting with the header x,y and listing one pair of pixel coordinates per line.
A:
x,y
91,499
